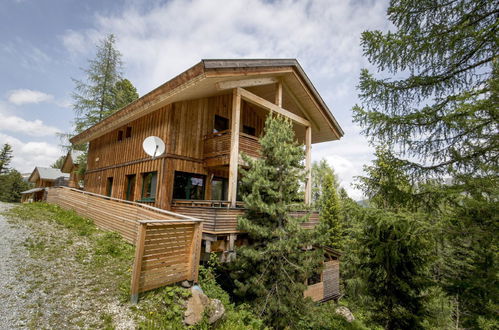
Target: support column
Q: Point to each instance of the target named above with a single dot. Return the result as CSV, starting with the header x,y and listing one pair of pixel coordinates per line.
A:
x,y
234,146
308,164
278,95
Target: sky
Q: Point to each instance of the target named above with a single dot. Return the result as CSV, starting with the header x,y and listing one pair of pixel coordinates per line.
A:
x,y
44,44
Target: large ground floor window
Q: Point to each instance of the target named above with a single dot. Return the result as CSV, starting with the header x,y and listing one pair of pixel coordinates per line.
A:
x,y
149,186
188,186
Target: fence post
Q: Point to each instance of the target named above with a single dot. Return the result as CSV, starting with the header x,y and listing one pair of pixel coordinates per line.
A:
x,y
137,264
196,250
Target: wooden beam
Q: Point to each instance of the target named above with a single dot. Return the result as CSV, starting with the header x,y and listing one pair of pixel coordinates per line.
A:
x,y
278,94
300,106
234,146
308,165
257,100
229,84
137,264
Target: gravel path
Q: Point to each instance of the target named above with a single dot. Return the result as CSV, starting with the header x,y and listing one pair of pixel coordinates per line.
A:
x,y
48,279
12,291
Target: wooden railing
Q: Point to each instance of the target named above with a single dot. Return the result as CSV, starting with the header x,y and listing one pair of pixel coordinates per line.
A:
x,y
167,244
217,147
219,217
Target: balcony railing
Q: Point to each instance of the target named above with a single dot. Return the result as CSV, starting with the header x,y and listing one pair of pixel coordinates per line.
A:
x,y
217,147
219,217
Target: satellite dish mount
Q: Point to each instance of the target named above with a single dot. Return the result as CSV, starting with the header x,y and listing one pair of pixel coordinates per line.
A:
x,y
153,146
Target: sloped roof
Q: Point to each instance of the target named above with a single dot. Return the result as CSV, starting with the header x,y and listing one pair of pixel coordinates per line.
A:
x,y
46,173
202,80
71,160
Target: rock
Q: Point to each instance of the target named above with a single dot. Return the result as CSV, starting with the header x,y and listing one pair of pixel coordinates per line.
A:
x,y
198,303
345,312
217,310
185,284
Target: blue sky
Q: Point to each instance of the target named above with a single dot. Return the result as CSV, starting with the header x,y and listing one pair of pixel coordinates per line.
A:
x,y
43,44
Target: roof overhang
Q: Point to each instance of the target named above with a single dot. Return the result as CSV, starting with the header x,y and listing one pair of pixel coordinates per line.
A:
x,y
204,80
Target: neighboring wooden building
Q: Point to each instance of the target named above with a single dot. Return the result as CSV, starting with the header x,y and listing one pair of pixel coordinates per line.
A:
x,y
71,166
206,116
43,177
326,285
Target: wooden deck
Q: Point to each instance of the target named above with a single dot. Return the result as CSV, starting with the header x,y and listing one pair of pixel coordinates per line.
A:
x,y
219,218
217,147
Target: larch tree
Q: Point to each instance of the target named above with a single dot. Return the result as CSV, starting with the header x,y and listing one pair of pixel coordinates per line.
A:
x,y
270,272
434,103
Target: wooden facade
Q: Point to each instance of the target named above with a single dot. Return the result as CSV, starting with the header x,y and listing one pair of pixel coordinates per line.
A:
x,y
207,117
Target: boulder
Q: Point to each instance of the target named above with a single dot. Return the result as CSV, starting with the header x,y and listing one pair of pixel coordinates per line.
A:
x,y
198,303
345,312
217,310
186,284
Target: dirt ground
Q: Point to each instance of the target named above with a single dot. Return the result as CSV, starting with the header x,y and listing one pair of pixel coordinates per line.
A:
x,y
47,280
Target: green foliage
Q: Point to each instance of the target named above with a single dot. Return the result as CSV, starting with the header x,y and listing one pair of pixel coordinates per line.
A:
x,y
5,158
270,272
440,107
330,226
323,317
123,93
393,260
11,186
104,90
319,171
59,162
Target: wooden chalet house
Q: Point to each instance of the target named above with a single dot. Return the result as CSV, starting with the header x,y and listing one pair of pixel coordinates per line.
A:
x,y
43,177
206,116
71,166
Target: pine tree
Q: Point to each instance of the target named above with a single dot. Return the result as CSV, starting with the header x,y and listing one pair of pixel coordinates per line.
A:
x,y
11,186
330,226
5,158
271,271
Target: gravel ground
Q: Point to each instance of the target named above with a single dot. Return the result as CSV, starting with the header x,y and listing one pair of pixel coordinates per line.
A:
x,y
11,289
48,281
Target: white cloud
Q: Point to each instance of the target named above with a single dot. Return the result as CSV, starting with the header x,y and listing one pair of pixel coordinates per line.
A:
x,y
27,155
17,124
26,96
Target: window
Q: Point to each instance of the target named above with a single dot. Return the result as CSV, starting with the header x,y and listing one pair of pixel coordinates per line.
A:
x,y
316,278
130,187
221,124
128,132
149,186
120,135
188,186
109,186
219,189
249,130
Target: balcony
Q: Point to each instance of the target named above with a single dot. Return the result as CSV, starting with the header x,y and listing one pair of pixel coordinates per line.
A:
x,y
217,147
219,218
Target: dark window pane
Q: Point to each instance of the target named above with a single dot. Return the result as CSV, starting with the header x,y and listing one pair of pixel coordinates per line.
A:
x,y
130,187
249,130
316,278
109,186
221,124
219,189
120,135
128,132
188,186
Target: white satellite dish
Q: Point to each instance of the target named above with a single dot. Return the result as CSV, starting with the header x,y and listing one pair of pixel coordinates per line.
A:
x,y
153,146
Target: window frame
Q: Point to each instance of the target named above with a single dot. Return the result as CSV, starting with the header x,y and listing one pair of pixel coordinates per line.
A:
x,y
153,187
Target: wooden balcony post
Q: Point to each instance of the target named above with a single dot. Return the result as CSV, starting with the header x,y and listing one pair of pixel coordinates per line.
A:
x,y
278,94
234,146
308,164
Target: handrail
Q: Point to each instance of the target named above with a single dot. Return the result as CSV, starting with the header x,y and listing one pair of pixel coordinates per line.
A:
x,y
152,208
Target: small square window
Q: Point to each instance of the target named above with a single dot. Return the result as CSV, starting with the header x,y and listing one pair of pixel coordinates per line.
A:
x,y
221,124
128,132
120,135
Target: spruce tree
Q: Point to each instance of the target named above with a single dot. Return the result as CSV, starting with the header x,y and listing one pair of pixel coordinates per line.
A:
x,y
11,186
124,93
393,261
330,226
319,171
271,271
5,158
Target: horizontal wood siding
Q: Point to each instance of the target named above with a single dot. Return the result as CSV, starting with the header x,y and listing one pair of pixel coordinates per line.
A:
x,y
315,291
331,278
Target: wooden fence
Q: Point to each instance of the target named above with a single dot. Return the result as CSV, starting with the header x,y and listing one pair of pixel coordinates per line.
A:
x,y
168,244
